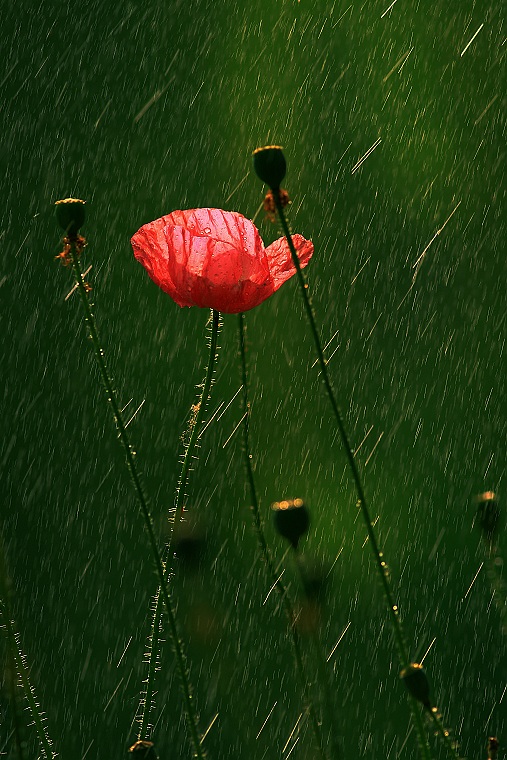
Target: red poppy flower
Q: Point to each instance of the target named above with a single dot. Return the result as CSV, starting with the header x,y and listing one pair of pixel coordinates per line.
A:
x,y
212,258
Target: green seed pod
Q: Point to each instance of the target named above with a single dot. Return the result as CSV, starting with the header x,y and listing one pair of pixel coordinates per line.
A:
x,y
70,215
270,165
417,683
291,519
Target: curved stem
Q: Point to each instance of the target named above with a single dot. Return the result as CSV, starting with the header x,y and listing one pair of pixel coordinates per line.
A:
x,y
192,436
143,504
266,554
378,557
381,565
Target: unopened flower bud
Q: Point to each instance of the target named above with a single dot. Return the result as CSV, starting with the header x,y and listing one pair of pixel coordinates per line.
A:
x,y
270,165
488,515
143,750
189,545
416,681
291,519
70,215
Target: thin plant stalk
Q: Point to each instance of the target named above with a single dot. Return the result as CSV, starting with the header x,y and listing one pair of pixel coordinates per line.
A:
x,y
378,557
443,733
266,554
18,674
18,660
191,438
188,701
499,588
11,672
323,670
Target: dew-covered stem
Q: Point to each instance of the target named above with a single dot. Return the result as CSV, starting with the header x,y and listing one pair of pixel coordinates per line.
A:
x,y
266,554
379,561
191,437
142,499
443,734
378,557
18,667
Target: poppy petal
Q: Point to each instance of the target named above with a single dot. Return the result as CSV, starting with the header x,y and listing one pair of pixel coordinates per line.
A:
x,y
150,249
280,258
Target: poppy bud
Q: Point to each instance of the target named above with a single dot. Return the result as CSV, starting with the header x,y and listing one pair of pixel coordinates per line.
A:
x,y
70,215
416,682
291,519
492,747
488,515
189,545
269,165
144,750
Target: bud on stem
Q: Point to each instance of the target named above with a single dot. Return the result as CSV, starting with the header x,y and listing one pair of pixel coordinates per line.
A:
x,y
70,215
270,165
291,519
416,681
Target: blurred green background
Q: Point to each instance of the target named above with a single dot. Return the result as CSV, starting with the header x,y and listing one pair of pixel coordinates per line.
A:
x,y
141,109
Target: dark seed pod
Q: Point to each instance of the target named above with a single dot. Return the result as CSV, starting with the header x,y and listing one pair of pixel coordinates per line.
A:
x,y
70,215
488,515
416,681
189,545
144,750
492,748
291,519
270,165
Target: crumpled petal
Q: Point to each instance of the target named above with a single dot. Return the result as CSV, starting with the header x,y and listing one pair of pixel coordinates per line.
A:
x,y
280,259
215,259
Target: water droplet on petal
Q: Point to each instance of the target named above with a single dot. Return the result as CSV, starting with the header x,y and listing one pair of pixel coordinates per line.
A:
x,y
207,230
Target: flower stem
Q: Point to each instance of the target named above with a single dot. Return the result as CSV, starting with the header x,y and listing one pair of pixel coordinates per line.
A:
x,y
195,422
378,557
323,669
191,437
498,586
143,504
443,733
266,554
18,665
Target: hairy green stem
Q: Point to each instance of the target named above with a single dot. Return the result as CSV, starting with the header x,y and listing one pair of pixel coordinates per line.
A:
x,y
192,436
17,672
143,504
378,557
266,554
443,733
18,661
